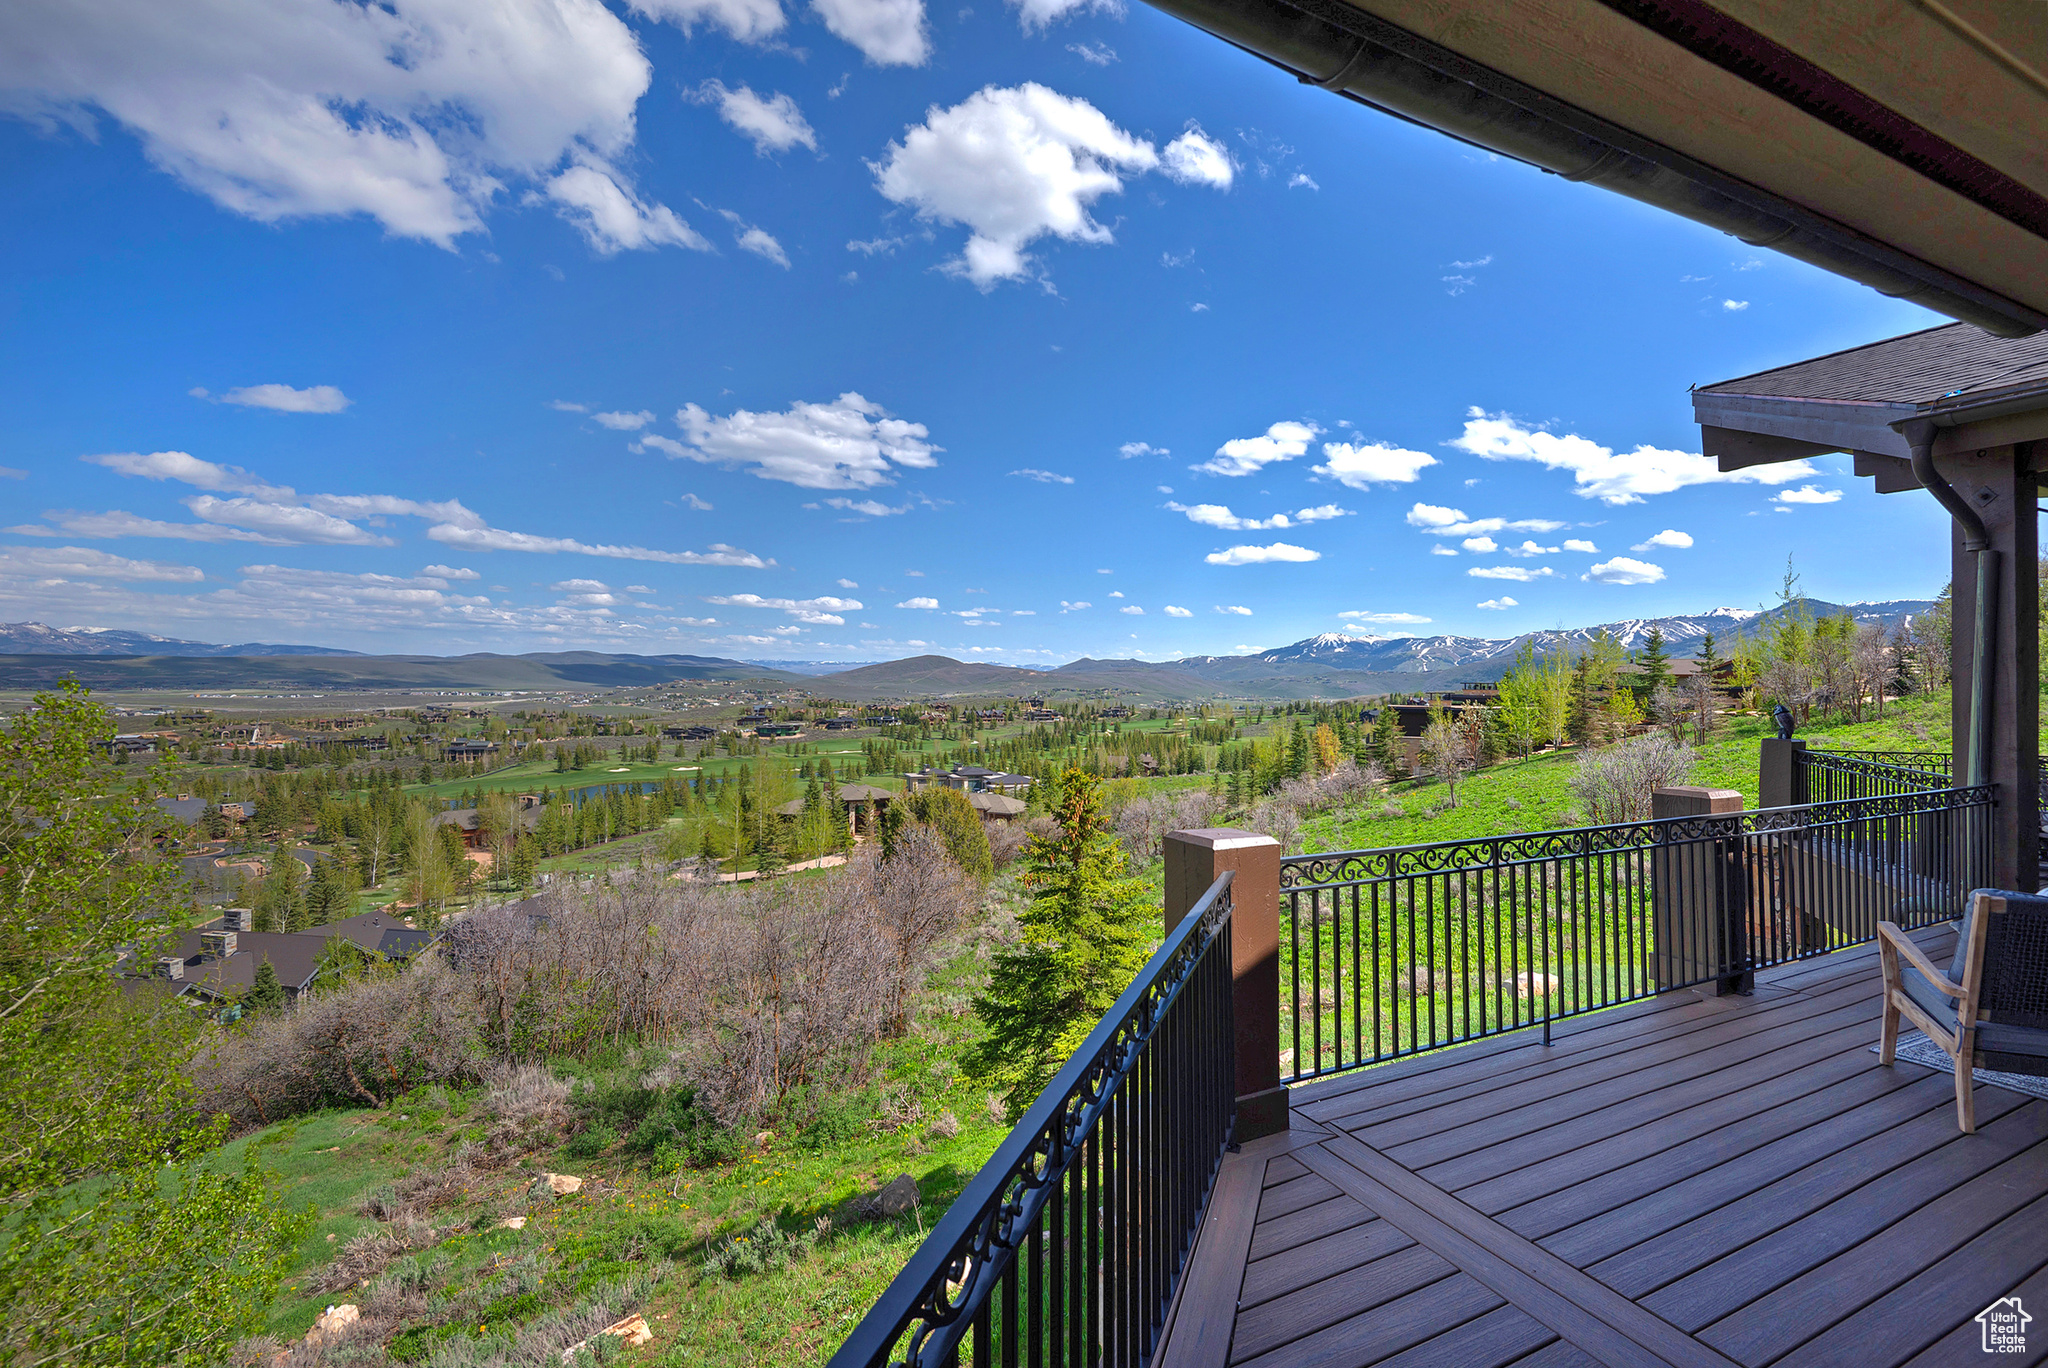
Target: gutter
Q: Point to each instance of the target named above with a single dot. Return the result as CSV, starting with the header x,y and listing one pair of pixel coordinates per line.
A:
x,y
1364,58
1919,434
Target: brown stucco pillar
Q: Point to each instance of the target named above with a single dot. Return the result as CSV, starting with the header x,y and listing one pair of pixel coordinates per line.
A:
x,y
1194,860
1696,896
2000,484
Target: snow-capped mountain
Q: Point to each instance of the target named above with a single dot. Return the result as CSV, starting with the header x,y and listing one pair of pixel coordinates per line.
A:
x,y
1486,657
36,638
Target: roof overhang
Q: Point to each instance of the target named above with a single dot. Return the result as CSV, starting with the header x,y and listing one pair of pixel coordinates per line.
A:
x,y
1897,145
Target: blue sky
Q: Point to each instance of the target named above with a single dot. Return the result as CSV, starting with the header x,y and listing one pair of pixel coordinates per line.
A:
x,y
852,331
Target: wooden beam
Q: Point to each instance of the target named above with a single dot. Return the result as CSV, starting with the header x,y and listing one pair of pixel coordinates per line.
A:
x,y
1893,475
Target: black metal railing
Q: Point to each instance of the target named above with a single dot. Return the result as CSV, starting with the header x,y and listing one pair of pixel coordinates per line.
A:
x,y
1389,952
1833,776
1065,1250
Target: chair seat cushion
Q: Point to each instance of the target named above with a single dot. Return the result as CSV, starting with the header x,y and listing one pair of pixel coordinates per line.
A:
x,y
1992,1036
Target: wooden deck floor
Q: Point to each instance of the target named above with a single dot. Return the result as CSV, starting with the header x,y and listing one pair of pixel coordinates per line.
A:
x,y
1686,1181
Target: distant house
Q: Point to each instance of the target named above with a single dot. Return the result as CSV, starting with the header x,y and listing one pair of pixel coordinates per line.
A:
x,y
997,807
841,723
1037,714
184,809
128,743
696,733
1115,712
779,729
470,823
220,960
378,742
468,748
970,779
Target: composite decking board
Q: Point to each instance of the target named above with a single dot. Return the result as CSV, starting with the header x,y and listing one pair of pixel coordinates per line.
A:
x,y
1832,1273
1558,1205
1475,1074
1283,1168
1198,1329
1708,1135
1558,1354
1695,1088
1903,1321
1455,1097
1576,1307
1322,1304
1613,1075
1279,1199
1554,1124
1668,1209
1300,1265
1495,1340
1373,1336
1410,1076
1664,1258
1965,1343
1311,1223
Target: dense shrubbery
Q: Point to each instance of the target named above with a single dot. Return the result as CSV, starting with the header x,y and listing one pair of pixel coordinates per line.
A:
x,y
772,996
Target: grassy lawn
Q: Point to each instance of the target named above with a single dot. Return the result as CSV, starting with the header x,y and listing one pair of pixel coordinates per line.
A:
x,y
1535,794
630,1219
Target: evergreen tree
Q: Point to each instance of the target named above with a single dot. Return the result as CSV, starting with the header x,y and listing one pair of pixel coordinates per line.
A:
x,y
1300,753
1386,749
1082,940
266,993
1582,718
947,811
1654,663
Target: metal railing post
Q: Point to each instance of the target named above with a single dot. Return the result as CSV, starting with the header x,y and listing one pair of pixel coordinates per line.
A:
x,y
1195,860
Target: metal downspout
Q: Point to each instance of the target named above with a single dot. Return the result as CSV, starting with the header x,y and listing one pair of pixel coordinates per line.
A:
x,y
1919,435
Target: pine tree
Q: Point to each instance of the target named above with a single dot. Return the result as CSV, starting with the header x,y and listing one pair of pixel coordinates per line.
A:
x,y
1083,939
1386,752
1654,663
266,993
1582,719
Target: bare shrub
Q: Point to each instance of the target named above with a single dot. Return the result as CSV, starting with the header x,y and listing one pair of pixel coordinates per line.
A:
x,y
1006,841
371,1252
1142,823
527,1097
364,1043
918,901
1613,785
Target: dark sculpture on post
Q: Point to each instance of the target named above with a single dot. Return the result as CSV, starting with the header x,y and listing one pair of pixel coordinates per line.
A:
x,y
1782,715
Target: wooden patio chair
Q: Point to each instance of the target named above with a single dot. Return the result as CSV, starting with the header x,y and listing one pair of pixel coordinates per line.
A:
x,y
1990,1010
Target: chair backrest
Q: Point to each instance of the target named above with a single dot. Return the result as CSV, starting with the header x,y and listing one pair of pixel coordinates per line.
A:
x,y
2003,957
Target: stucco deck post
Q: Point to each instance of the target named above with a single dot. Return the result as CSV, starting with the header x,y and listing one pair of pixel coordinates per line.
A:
x,y
1194,860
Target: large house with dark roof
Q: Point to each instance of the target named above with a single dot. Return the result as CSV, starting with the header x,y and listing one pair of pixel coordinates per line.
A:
x,y
219,961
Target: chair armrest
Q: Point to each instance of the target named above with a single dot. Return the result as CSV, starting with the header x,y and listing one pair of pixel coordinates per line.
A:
x,y
1917,957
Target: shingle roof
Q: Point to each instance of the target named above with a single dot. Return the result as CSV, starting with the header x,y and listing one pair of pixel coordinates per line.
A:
x,y
1918,368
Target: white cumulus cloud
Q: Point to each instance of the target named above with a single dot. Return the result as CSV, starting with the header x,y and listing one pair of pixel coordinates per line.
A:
x,y
1528,549
849,443
1623,570
1361,465
285,399
1134,610
1194,158
1521,574
625,422
1389,619
47,562
1808,494
1670,537
1283,441
919,603
421,114
449,572
1172,611
1599,472
1043,476
1580,544
749,21
1497,604
1220,516
1437,521
1130,449
1480,546
1012,165
887,32
1262,555
1234,609
773,122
